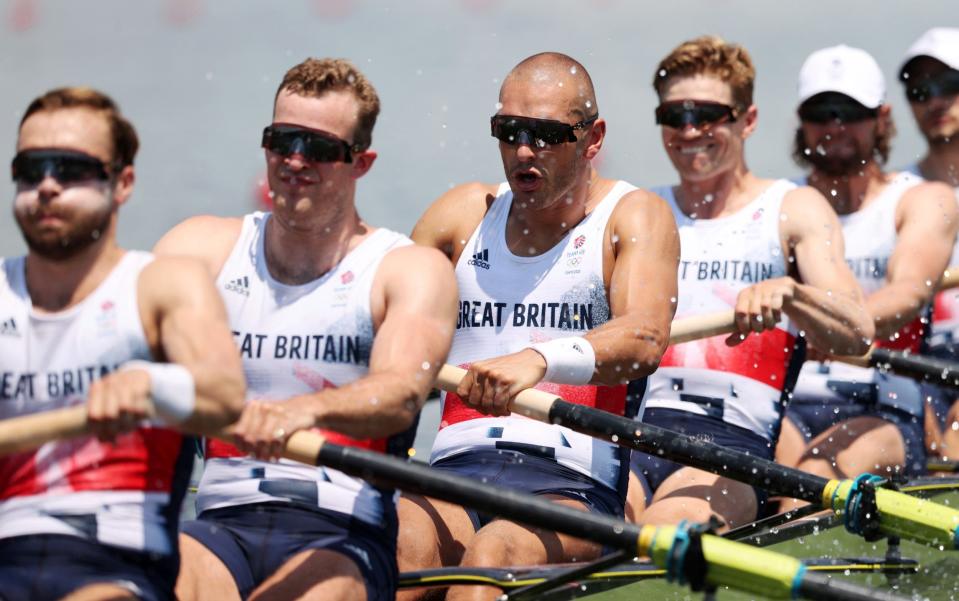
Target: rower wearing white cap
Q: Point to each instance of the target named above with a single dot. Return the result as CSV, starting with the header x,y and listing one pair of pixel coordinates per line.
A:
x,y
930,76
899,232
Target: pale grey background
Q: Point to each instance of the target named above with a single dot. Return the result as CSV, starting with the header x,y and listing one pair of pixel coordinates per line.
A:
x,y
197,78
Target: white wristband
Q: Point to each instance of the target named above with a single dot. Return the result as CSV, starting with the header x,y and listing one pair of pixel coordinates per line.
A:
x,y
172,388
569,360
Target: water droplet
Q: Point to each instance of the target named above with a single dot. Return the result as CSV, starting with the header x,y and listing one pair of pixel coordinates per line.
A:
x,y
425,365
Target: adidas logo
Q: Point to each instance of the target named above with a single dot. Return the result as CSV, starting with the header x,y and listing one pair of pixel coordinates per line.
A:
x,y
9,328
480,259
240,285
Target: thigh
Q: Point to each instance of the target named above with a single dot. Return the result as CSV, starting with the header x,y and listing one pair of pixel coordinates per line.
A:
x,y
791,444
203,575
695,495
432,533
315,575
505,543
855,446
636,497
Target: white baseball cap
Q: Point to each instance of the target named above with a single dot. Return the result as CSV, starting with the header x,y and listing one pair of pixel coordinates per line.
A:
x,y
940,43
846,70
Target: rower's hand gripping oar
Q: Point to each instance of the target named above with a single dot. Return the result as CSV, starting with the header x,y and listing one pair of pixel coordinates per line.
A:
x,y
698,558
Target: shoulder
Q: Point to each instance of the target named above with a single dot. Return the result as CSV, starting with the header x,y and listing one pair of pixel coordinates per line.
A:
x,y
642,206
411,259
805,199
204,237
471,198
454,214
937,193
173,281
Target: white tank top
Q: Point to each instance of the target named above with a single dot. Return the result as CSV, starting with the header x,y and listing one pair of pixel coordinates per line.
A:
x,y
508,302
741,385
297,340
945,314
125,494
870,238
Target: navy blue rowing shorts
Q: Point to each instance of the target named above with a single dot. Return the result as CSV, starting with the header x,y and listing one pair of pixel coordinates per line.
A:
x,y
45,567
254,540
530,474
652,471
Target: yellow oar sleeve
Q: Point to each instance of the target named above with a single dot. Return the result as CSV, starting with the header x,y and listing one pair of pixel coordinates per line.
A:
x,y
729,563
911,518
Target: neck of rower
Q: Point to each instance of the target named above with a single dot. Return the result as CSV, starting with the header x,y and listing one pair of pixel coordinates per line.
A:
x,y
718,196
296,255
941,163
58,284
850,193
531,231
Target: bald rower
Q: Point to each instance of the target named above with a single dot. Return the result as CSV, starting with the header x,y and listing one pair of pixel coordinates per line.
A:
x,y
567,282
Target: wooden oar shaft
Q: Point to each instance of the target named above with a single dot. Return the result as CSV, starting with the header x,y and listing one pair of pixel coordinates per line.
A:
x,y
31,431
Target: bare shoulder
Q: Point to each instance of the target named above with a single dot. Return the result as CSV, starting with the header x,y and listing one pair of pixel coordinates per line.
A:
x,y
931,195
458,210
413,263
174,281
804,208
642,209
205,237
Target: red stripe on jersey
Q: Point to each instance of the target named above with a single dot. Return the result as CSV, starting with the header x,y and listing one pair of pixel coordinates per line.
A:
x,y
144,459
761,357
946,306
607,398
909,339
219,449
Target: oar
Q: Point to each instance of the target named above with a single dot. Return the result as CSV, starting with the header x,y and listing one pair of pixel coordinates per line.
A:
x,y
727,563
899,514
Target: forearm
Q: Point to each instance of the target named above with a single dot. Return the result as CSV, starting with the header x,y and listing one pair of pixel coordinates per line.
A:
x,y
219,399
626,350
833,322
895,305
376,406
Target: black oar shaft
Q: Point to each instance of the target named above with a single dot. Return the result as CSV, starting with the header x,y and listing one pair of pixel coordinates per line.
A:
x,y
736,465
417,478
936,371
818,586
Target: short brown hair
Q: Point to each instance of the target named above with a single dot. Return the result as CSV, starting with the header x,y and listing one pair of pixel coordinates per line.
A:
x,y
710,55
315,77
124,136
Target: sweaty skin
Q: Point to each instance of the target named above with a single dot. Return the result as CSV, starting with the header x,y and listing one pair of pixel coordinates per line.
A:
x,y
181,313
413,302
554,188
820,294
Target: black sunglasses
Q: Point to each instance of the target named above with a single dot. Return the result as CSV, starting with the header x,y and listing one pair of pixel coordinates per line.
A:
x,y
515,130
829,112
30,167
313,144
942,84
698,113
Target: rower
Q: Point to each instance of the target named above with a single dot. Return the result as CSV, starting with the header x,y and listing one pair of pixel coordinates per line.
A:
x,y
567,282
899,233
341,326
143,341
930,77
766,247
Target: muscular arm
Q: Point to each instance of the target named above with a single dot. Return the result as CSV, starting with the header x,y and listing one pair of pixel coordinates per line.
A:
x,y
415,292
193,332
642,290
827,303
927,221
411,343
209,239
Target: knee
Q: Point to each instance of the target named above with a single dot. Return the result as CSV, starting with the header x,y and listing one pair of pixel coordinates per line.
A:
x,y
417,542
488,551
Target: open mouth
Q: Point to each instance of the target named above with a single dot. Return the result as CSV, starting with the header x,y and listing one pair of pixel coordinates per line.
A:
x,y
527,180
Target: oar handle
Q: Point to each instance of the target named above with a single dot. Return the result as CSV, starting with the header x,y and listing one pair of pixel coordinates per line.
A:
x,y
532,403
687,329
20,434
950,278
